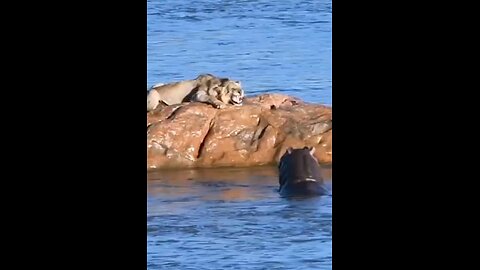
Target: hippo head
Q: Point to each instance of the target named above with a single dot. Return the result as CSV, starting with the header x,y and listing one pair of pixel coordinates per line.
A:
x,y
299,173
297,152
311,150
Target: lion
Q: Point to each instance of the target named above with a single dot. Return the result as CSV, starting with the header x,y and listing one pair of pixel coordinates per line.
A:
x,y
206,88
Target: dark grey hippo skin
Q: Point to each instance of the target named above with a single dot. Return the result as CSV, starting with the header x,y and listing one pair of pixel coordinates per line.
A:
x,y
299,174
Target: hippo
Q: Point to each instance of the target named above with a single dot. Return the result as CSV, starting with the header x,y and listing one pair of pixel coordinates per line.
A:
x,y
299,174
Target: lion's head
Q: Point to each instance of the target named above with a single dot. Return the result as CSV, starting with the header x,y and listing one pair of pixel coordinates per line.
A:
x,y
231,92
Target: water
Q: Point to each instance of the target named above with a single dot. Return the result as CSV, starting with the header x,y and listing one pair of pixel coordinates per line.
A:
x,y
280,46
234,218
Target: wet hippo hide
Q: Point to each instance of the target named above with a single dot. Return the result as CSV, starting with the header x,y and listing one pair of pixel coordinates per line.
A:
x,y
299,173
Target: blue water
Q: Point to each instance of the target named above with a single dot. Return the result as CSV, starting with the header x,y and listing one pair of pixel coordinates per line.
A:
x,y
270,46
234,218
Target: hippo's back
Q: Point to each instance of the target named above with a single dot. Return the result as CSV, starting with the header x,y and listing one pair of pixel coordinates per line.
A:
x,y
300,174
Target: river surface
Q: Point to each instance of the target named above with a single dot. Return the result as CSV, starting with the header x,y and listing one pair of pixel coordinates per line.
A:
x,y
270,46
234,218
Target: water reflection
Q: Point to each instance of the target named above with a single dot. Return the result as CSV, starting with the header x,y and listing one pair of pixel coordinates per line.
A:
x,y
234,219
227,184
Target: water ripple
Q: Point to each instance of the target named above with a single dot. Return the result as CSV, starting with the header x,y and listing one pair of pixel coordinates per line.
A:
x,y
234,219
231,38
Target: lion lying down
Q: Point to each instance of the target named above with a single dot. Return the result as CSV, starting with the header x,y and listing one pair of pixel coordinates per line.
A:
x,y
206,88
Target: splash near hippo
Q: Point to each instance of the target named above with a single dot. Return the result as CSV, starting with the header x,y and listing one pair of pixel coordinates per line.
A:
x,y
299,174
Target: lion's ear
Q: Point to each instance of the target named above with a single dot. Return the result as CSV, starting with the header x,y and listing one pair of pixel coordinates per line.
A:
x,y
239,83
223,80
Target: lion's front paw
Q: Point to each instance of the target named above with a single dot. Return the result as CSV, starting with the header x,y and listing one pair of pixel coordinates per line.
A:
x,y
220,105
